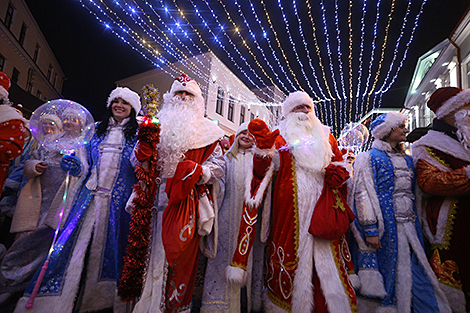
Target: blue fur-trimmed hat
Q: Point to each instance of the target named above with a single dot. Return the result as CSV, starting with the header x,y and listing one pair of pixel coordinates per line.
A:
x,y
385,123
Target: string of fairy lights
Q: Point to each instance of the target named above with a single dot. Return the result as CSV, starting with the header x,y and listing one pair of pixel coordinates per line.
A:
x,y
277,45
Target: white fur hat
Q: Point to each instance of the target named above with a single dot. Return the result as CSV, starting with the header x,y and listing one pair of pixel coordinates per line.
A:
x,y
125,93
385,123
242,127
294,99
186,83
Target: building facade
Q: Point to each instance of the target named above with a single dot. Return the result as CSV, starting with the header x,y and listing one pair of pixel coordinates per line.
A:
x,y
446,64
26,57
228,101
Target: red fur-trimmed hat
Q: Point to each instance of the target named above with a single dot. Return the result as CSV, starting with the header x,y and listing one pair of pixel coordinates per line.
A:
x,y
447,100
186,83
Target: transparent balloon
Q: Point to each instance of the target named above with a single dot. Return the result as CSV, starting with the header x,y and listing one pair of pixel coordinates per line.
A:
x,y
62,125
353,137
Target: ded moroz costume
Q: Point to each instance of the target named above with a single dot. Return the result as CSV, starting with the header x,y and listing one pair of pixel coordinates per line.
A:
x,y
307,255
184,215
442,160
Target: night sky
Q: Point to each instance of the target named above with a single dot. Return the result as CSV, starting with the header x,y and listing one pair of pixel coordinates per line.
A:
x,y
93,59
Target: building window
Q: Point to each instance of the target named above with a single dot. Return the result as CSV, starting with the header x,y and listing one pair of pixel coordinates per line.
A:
x,y
38,94
15,75
36,53
252,116
49,72
9,15
24,28
29,82
242,114
220,101
230,109
2,62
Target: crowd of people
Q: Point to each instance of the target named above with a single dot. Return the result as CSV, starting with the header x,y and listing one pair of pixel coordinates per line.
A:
x,y
176,218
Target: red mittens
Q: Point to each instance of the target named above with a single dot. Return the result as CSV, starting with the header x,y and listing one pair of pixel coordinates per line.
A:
x,y
264,138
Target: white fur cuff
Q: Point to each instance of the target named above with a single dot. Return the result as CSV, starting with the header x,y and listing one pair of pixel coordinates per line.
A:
x,y
235,275
355,281
467,171
372,283
206,175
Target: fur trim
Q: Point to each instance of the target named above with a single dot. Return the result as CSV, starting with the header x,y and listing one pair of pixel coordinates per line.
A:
x,y
126,94
185,83
453,104
455,297
266,216
387,309
355,281
294,99
441,142
467,171
385,123
208,133
7,113
404,277
332,287
256,200
372,283
235,275
367,202
382,146
366,305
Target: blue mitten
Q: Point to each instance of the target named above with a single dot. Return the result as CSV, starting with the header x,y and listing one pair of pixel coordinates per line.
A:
x,y
71,163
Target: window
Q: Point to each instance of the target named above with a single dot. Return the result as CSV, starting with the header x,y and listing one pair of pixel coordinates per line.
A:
x,y
242,114
29,82
220,101
24,28
38,94
2,62
252,116
49,72
230,109
9,15
15,75
36,53
54,80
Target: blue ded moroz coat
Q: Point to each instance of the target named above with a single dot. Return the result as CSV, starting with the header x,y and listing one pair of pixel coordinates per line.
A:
x,y
398,273
96,229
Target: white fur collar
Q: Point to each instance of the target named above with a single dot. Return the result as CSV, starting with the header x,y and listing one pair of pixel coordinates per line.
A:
x,y
444,143
7,113
385,146
207,133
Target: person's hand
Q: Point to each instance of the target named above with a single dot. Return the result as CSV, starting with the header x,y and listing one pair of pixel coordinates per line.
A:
x,y
264,138
71,163
374,242
40,167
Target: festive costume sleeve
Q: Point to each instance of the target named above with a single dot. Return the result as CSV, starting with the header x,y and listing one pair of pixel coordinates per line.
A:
x,y
442,183
213,168
369,223
257,182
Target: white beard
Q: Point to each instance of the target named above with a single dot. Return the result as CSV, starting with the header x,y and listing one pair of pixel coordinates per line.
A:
x,y
307,140
178,120
462,122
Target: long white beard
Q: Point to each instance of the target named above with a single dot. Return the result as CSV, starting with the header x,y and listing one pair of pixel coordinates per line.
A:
x,y
462,122
178,121
307,141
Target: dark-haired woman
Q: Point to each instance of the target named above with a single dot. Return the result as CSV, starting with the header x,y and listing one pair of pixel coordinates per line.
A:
x,y
87,258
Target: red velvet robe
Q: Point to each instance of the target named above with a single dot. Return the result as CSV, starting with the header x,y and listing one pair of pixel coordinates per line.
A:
x,y
11,145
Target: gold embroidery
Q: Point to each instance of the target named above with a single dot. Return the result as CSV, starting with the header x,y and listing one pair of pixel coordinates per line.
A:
x,y
296,209
445,271
235,264
338,202
435,157
445,245
342,271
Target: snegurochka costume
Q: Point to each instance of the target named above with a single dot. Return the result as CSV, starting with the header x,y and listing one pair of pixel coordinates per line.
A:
x,y
398,273
443,172
307,256
220,295
88,254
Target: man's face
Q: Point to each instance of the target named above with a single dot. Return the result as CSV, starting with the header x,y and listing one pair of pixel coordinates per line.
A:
x,y
184,95
302,108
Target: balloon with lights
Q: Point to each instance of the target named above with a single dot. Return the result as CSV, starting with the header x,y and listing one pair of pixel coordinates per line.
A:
x,y
63,126
353,137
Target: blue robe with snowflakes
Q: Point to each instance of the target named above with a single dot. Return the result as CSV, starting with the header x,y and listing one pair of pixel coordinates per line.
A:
x,y
95,234
398,272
